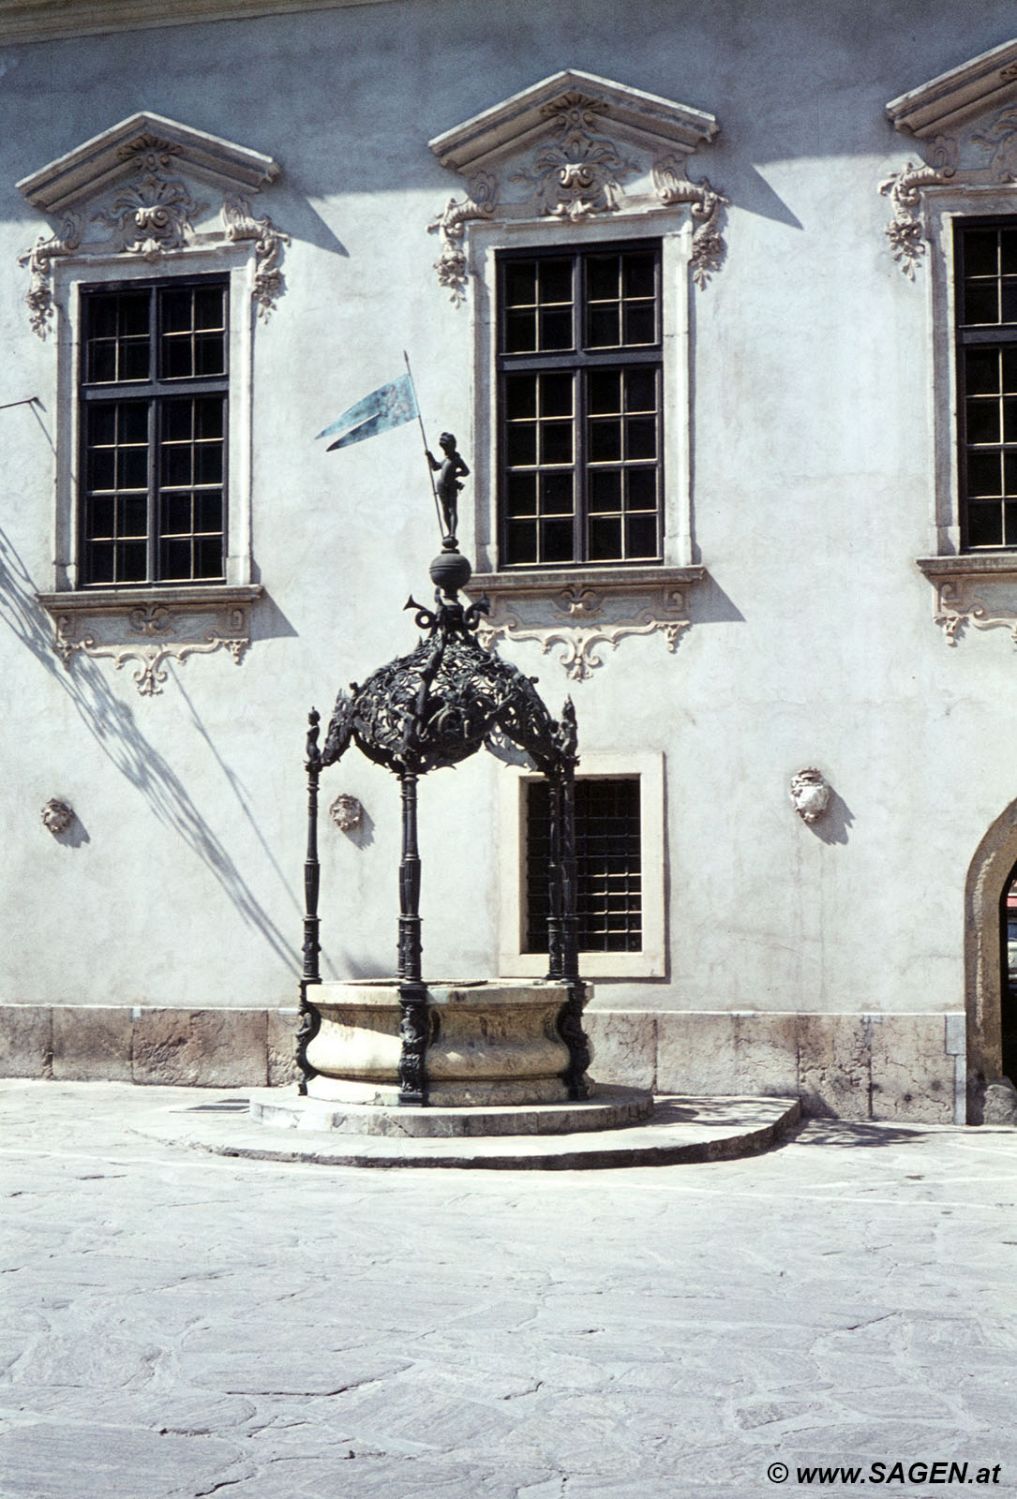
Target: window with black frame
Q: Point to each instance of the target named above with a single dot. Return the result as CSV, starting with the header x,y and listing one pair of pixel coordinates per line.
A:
x,y
986,279
153,395
580,406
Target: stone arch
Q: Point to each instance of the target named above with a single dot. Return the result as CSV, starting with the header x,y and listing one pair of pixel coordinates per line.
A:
x,y
988,876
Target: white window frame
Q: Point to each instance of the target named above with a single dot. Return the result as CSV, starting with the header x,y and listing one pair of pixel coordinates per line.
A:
x,y
673,230
651,960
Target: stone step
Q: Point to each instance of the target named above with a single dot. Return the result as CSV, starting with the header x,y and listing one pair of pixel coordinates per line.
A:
x,y
682,1130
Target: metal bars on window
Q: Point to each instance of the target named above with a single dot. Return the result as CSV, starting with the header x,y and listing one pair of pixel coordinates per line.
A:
x,y
609,870
986,297
153,391
580,406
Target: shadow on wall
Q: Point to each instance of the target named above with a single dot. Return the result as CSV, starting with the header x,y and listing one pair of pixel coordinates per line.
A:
x,y
113,726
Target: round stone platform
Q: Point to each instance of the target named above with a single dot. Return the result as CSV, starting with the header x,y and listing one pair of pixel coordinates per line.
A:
x,y
681,1131
607,1108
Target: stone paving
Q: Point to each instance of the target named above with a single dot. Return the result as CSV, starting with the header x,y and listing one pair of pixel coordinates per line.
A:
x,y
175,1325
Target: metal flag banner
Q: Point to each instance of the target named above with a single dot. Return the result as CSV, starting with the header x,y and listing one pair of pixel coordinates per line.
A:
x,y
388,406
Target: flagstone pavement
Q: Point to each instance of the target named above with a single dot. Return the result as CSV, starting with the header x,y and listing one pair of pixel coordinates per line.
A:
x,y
175,1325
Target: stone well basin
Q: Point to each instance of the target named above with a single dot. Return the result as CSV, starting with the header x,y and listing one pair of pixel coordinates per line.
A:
x,y
488,1043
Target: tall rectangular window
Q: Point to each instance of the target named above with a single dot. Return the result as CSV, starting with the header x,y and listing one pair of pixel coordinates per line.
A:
x,y
609,899
986,279
580,408
153,388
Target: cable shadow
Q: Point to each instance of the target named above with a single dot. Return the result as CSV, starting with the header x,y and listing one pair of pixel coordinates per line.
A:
x,y
113,726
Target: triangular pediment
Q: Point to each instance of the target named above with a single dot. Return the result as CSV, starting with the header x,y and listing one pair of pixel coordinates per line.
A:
x,y
92,167
651,121
987,82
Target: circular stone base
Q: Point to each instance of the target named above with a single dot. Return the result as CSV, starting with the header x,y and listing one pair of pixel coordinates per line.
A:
x,y
607,1108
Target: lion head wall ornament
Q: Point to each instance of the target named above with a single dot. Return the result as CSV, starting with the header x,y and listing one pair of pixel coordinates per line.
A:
x,y
346,812
57,816
810,794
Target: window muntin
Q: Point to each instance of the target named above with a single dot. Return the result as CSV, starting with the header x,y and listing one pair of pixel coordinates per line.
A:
x,y
153,392
608,864
986,278
580,406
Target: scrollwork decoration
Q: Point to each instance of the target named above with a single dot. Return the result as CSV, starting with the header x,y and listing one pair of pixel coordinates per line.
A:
x,y
39,262
1001,141
582,172
156,212
268,250
707,206
904,189
151,675
451,224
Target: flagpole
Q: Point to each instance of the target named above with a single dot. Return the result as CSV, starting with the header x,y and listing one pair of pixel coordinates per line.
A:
x,y
423,438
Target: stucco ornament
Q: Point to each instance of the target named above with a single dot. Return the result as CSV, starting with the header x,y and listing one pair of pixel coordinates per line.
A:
x,y
810,794
672,185
451,225
155,212
582,171
904,189
57,816
346,812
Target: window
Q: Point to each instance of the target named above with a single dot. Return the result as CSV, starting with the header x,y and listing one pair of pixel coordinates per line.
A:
x,y
608,867
579,360
153,387
986,280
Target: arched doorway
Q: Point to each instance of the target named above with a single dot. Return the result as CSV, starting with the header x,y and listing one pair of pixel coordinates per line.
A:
x,y
991,1011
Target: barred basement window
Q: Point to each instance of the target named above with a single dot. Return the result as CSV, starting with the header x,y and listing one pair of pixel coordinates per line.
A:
x,y
609,883
153,392
986,273
580,409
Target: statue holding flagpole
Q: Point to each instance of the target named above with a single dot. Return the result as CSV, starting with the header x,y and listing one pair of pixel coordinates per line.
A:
x,y
391,406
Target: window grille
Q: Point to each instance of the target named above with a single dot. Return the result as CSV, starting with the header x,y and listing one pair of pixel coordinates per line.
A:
x,y
609,875
986,273
153,390
580,411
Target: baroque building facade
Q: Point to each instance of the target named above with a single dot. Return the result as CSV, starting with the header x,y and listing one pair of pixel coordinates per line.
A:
x,y
722,307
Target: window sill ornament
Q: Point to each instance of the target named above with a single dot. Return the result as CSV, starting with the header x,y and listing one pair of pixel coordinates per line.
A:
x,y
132,627
136,191
592,610
608,150
974,590
810,794
947,118
57,816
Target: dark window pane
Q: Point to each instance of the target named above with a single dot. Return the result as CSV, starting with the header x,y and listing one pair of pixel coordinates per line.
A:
x,y
556,395
984,475
1009,369
556,540
556,329
1010,473
1010,420
605,489
640,323
102,422
640,390
1010,524
605,538
641,487
638,275
522,541
1009,302
208,463
102,317
985,527
556,493
177,419
176,514
133,359
605,441
208,557
176,464
176,309
603,327
981,302
981,371
133,421
556,280
102,468
209,416
208,511
209,307
100,559
100,516
980,252
210,354
520,283
520,396
131,561
522,443
522,494
133,517
102,361
132,466
602,277
641,536
520,332
1008,252
556,442
177,360
135,310
604,391
176,559
641,437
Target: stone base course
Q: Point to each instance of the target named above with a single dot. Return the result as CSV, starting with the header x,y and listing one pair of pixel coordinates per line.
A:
x,y
906,1067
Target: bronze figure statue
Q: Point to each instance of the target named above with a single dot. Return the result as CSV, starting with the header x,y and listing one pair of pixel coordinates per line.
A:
x,y
447,485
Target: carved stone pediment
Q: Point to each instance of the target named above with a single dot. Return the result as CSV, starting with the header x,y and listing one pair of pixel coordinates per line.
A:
x,y
150,187
964,124
576,147
584,610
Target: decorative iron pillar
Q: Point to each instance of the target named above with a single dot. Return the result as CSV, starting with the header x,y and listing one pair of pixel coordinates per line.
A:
x,y
555,929
309,1017
570,1016
412,991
